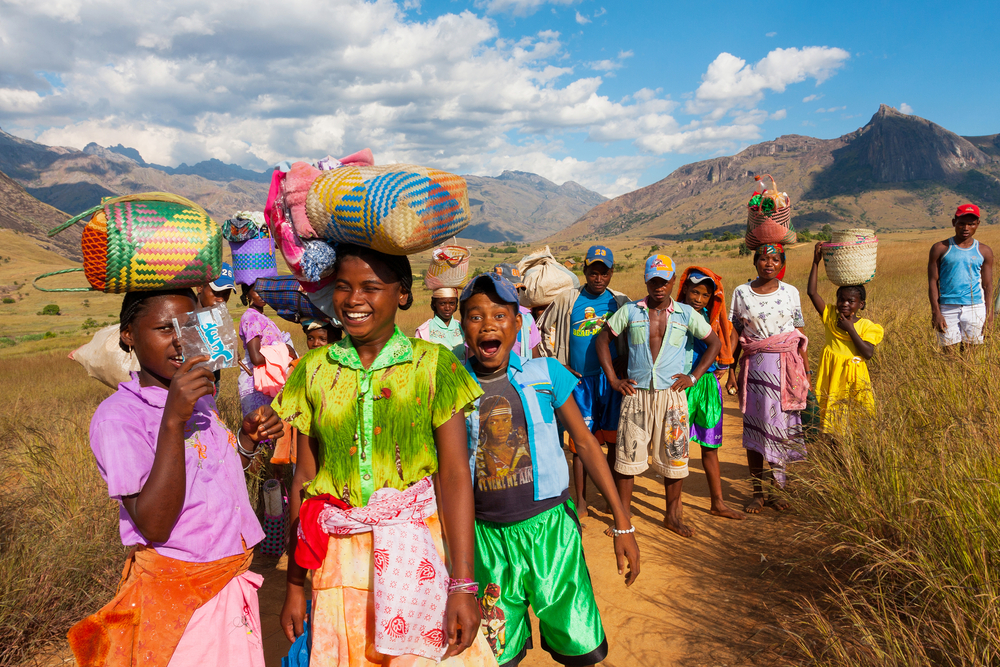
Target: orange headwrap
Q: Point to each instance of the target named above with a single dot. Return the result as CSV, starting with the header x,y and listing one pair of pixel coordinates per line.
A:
x,y
718,316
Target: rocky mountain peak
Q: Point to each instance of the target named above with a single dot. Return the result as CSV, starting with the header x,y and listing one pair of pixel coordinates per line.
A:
x,y
898,147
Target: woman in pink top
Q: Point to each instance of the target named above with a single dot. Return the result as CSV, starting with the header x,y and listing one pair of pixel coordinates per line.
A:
x,y
177,472
256,331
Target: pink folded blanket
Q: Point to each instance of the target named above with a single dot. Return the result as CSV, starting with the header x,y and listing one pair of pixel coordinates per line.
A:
x,y
794,381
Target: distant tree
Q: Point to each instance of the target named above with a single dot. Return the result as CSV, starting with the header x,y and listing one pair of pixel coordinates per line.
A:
x,y
728,236
655,248
827,229
707,236
50,309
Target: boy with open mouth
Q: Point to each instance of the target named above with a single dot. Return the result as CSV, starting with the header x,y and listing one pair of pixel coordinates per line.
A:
x,y
528,542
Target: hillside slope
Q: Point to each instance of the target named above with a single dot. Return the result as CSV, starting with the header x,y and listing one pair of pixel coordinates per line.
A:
x,y
23,214
897,172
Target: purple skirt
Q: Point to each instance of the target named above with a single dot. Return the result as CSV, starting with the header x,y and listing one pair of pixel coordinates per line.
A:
x,y
767,429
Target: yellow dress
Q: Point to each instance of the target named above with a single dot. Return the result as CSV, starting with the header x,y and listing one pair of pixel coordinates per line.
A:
x,y
842,379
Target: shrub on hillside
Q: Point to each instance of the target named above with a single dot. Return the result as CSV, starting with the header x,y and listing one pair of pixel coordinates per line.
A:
x,y
50,309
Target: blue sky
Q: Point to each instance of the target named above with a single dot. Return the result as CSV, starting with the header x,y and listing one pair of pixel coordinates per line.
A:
x,y
613,95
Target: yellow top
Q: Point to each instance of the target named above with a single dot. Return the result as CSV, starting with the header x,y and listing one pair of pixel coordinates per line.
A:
x,y
843,373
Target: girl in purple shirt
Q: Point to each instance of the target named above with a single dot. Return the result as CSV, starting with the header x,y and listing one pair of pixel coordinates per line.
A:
x,y
177,472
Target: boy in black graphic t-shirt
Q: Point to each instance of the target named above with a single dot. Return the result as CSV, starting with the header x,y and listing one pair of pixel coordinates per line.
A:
x,y
528,546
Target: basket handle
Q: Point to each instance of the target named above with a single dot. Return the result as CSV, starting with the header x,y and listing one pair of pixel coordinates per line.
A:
x,y
774,186
34,283
69,223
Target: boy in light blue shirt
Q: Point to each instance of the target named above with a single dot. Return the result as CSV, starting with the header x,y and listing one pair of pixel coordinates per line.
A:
x,y
661,333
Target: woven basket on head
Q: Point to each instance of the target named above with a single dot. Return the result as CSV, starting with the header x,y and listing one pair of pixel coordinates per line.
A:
x,y
850,263
857,235
773,227
449,267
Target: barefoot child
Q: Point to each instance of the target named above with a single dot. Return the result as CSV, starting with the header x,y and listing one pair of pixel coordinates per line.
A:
x,y
177,473
443,328
702,290
528,546
381,423
850,341
767,316
573,321
660,332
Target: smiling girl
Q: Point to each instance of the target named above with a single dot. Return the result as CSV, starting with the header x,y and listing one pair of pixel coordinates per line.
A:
x,y
850,342
773,385
381,423
186,596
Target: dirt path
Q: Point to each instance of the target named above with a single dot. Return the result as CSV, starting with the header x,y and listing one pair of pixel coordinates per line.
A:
x,y
707,601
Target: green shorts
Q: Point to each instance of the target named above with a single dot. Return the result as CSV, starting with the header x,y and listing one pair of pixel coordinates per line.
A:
x,y
539,563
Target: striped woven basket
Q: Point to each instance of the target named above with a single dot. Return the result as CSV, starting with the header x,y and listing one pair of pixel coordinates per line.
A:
x,y
144,242
449,267
399,209
851,262
857,235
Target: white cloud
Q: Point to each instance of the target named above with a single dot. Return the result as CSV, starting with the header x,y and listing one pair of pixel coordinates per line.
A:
x,y
906,108
600,12
811,98
581,19
830,110
771,34
730,82
518,7
188,80
610,65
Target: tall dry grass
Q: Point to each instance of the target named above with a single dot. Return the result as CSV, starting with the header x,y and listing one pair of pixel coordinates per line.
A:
x,y
905,509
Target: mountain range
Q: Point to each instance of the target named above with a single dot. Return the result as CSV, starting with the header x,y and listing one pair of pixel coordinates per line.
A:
x,y
897,172
516,205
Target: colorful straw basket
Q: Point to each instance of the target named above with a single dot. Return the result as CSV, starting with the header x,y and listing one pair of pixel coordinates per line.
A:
x,y
145,242
449,267
399,209
851,257
253,259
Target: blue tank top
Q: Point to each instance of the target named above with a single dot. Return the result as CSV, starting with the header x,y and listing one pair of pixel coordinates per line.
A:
x,y
960,275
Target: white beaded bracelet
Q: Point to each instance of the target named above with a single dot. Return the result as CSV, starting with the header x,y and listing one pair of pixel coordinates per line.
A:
x,y
623,532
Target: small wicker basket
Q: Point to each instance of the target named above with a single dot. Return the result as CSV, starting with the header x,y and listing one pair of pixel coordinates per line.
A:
x,y
773,227
449,267
850,258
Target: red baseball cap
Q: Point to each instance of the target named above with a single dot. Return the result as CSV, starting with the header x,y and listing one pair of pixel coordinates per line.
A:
x,y
967,209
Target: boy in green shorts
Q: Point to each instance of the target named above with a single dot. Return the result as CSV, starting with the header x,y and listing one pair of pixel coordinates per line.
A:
x,y
528,546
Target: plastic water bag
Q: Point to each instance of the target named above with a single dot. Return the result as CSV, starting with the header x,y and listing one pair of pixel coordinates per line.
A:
x,y
208,332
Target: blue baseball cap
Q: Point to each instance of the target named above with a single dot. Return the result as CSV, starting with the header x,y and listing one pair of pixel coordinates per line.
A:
x,y
659,266
506,291
225,280
599,253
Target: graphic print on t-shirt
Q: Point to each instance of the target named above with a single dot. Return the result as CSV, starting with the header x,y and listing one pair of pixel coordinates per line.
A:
x,y
503,460
586,320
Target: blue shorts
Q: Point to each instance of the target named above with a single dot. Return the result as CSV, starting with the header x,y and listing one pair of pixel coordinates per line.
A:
x,y
599,404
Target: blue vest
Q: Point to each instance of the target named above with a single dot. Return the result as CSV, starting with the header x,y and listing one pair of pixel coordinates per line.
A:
x,y
532,382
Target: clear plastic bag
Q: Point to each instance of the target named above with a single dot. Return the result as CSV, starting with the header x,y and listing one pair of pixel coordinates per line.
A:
x,y
208,331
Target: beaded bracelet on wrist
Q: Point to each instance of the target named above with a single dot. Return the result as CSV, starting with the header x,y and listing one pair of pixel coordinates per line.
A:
x,y
623,532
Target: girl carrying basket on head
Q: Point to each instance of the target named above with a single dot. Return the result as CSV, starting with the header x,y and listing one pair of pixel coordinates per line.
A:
x,y
177,472
382,440
772,382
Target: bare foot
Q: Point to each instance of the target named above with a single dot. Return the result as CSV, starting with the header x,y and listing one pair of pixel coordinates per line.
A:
x,y
675,524
582,511
609,531
754,506
778,504
725,511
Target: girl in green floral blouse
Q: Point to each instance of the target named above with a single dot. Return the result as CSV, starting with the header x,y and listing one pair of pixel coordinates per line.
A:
x,y
377,410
